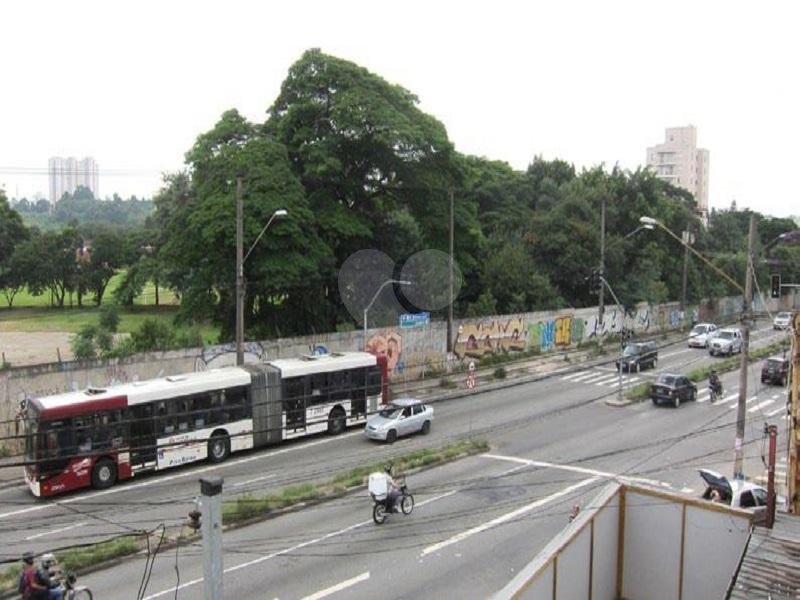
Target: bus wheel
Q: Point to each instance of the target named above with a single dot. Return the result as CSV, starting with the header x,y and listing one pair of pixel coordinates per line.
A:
x,y
337,422
219,447
104,474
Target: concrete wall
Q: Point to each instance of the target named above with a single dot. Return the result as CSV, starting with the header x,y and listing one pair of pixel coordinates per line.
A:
x,y
672,547
411,352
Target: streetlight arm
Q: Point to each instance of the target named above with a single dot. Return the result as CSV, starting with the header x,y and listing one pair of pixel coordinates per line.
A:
x,y
651,221
277,213
613,295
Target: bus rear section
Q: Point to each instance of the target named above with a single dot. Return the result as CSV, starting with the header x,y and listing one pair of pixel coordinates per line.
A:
x,y
317,394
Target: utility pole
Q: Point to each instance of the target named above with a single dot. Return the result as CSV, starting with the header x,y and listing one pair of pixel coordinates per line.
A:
x,y
747,315
688,239
794,419
450,277
600,296
772,432
211,528
239,273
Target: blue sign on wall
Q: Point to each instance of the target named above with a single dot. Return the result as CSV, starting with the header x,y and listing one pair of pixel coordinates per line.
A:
x,y
415,320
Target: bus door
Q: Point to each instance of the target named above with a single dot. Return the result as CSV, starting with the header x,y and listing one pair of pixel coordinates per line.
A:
x,y
294,403
143,435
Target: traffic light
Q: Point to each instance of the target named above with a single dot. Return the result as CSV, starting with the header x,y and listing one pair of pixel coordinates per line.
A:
x,y
776,286
595,282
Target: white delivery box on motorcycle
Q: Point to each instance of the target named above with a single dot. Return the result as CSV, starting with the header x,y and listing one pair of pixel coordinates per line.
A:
x,y
378,485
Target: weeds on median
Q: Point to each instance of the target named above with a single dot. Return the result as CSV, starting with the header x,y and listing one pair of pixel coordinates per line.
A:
x,y
249,506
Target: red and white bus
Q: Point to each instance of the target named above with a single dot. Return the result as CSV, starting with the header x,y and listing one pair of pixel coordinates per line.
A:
x,y
97,437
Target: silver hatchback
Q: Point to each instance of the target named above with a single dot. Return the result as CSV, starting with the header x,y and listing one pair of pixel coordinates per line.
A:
x,y
404,416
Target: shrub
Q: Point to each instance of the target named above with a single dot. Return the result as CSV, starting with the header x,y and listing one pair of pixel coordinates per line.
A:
x,y
189,338
83,343
153,335
109,317
445,383
104,341
500,373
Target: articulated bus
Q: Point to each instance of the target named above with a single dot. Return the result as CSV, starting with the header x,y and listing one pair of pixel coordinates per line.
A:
x,y
97,437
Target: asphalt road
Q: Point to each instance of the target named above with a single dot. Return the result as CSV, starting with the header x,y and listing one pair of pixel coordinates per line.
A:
x,y
561,423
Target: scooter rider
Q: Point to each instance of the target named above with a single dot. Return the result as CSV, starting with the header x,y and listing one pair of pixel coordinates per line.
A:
x,y
393,494
715,384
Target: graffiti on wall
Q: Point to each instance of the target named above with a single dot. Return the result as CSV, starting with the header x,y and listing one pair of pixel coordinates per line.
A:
x,y
390,345
225,355
489,337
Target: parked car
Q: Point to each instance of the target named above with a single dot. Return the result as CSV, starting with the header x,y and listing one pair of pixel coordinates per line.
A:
x,y
672,389
726,341
701,334
782,320
775,370
737,493
404,416
638,355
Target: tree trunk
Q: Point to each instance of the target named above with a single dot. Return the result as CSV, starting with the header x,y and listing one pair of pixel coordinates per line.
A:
x,y
155,281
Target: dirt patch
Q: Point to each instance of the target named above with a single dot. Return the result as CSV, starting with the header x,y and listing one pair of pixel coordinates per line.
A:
x,y
31,348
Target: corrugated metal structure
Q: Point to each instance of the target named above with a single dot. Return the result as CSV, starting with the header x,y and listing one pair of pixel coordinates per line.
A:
x,y
771,564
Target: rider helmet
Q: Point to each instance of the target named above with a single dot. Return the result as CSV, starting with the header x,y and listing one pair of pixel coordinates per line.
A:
x,y
48,560
27,557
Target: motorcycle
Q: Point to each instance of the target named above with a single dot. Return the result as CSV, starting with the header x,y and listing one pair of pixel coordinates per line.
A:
x,y
715,392
381,508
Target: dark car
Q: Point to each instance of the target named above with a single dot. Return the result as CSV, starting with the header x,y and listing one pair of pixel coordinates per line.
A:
x,y
672,389
638,355
775,371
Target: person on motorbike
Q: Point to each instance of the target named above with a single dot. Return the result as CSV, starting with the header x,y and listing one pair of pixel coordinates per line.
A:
x,y
50,589
393,495
715,384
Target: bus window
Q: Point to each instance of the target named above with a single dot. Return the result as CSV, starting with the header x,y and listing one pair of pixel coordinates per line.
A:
x,y
235,408
373,381
200,409
182,414
165,424
340,386
319,389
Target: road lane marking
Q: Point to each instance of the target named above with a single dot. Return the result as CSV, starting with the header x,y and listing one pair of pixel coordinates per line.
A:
x,y
760,405
676,353
267,557
338,587
569,376
153,480
508,516
776,412
575,469
606,380
241,483
52,531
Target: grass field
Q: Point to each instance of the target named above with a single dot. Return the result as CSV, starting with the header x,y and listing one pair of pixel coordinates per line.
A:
x,y
147,298
34,313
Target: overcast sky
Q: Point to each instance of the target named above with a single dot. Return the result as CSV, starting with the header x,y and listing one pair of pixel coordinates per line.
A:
x,y
133,83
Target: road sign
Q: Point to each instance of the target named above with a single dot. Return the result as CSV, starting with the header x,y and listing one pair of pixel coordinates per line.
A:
x,y
415,320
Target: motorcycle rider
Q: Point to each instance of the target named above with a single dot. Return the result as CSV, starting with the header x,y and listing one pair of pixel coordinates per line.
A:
x,y
715,384
51,590
393,494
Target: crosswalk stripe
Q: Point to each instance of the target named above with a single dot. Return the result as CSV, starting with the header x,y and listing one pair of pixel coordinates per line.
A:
x,y
733,405
605,380
569,376
776,411
585,376
731,397
760,405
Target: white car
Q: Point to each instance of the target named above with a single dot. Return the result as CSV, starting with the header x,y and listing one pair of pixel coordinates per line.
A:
x,y
725,341
782,320
701,334
737,493
404,416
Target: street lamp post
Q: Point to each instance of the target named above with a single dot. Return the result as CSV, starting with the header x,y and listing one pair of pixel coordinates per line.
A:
x,y
240,258
619,365
747,292
375,297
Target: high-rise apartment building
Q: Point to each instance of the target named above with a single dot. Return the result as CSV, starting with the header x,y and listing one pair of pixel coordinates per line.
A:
x,y
680,162
66,174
